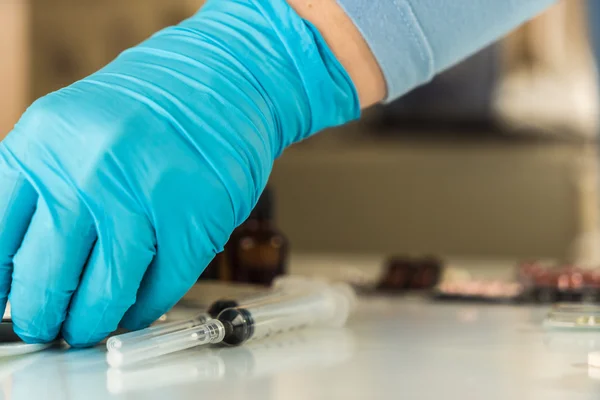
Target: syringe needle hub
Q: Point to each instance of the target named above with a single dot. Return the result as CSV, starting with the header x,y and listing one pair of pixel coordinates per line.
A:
x,y
211,332
132,338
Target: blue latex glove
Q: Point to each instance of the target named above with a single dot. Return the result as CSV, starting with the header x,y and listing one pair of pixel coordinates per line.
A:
x,y
117,191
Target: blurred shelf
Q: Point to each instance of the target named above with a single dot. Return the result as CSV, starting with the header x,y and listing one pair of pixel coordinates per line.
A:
x,y
347,191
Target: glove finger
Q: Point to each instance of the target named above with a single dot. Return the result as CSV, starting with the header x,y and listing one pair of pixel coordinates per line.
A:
x,y
108,287
203,221
17,205
48,266
163,286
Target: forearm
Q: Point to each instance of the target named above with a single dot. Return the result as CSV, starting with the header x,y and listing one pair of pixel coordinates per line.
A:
x,y
389,47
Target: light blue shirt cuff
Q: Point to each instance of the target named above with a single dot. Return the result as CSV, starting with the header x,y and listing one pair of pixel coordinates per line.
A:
x,y
415,39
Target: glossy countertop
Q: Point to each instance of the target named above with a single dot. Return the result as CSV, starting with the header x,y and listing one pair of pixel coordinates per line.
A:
x,y
392,348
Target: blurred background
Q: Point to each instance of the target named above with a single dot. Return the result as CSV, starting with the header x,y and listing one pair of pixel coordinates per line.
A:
x,y
495,158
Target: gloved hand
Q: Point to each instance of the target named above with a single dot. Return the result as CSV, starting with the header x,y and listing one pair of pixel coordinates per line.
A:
x,y
117,191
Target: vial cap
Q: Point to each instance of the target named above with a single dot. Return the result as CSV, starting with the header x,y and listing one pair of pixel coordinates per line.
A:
x,y
264,208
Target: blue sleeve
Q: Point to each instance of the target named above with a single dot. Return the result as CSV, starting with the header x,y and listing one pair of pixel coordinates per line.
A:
x,y
594,28
415,39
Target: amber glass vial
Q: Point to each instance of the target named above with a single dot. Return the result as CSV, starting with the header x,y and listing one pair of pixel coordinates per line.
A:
x,y
258,251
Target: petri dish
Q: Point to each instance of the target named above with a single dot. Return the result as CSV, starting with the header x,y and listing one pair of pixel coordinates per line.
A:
x,y
11,345
574,316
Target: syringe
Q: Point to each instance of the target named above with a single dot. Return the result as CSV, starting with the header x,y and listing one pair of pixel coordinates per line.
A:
x,y
325,305
281,285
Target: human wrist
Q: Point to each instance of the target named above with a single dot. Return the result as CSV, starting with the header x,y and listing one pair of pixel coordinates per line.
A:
x,y
348,45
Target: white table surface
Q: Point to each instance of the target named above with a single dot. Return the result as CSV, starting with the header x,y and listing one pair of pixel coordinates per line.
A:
x,y
392,348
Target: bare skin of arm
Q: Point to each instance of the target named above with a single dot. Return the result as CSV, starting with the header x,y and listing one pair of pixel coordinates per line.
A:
x,y
347,44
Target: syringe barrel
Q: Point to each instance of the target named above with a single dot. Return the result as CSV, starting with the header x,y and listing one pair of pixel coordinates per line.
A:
x,y
282,286
324,305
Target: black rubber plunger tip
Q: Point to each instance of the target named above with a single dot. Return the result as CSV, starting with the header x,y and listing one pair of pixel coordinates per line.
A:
x,y
239,325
